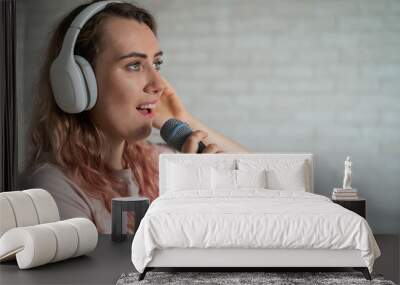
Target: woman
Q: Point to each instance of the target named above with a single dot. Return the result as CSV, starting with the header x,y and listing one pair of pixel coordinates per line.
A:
x,y
86,159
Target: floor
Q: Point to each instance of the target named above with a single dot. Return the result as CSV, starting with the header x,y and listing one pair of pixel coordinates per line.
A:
x,y
110,259
389,262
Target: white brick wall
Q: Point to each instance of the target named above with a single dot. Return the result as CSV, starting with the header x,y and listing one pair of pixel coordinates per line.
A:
x,y
278,76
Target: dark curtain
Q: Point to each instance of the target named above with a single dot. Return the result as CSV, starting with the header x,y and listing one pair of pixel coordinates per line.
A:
x,y
8,99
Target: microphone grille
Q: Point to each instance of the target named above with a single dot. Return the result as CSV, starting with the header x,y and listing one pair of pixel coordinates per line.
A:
x,y
175,132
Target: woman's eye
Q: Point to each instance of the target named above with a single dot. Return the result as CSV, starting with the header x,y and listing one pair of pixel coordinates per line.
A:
x,y
157,64
134,66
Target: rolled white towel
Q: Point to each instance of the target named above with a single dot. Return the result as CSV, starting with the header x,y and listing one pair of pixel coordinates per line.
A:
x,y
32,246
40,244
45,205
67,240
87,235
23,208
7,220
26,208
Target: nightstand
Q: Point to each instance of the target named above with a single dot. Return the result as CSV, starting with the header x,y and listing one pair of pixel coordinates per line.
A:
x,y
119,207
358,206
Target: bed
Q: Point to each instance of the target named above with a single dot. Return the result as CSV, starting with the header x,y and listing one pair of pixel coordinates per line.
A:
x,y
247,210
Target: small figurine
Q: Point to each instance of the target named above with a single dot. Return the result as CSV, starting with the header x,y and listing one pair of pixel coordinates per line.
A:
x,y
347,174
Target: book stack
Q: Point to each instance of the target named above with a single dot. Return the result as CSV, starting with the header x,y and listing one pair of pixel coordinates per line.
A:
x,y
344,194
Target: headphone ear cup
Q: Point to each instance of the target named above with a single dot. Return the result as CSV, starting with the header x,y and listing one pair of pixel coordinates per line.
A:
x,y
90,80
68,85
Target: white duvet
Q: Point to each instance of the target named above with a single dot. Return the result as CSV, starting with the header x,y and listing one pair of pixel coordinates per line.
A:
x,y
251,218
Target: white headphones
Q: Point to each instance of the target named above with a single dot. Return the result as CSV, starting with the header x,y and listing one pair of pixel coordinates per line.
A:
x,y
71,76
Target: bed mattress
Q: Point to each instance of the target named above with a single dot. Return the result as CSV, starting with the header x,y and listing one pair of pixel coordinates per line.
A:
x,y
250,219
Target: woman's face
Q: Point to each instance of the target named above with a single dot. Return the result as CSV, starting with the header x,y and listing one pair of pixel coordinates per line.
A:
x,y
127,75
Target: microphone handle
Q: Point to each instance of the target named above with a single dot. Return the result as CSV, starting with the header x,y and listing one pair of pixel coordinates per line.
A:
x,y
201,147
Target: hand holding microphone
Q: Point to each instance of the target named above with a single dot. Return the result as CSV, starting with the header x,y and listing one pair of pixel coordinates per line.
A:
x,y
180,136
176,133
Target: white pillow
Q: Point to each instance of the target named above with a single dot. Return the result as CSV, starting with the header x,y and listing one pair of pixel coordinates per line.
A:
x,y
252,178
288,179
229,179
223,179
282,174
181,177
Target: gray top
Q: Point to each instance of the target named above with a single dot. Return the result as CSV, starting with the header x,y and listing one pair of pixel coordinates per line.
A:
x,y
72,201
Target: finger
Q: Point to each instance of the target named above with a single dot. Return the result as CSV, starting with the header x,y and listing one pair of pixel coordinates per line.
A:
x,y
211,148
168,89
192,142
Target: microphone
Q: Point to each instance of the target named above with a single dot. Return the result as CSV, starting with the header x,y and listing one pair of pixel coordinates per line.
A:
x,y
175,133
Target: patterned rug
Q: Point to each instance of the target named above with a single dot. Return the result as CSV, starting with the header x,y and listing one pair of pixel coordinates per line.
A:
x,y
230,278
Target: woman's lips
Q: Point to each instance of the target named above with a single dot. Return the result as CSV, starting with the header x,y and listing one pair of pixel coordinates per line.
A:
x,y
148,113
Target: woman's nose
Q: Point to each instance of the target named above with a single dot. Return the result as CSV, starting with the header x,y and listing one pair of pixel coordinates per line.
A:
x,y
156,84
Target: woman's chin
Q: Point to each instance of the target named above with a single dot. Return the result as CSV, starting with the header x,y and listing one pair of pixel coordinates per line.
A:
x,y
141,133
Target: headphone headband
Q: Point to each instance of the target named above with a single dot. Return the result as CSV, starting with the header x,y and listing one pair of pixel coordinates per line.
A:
x,y
88,12
78,23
